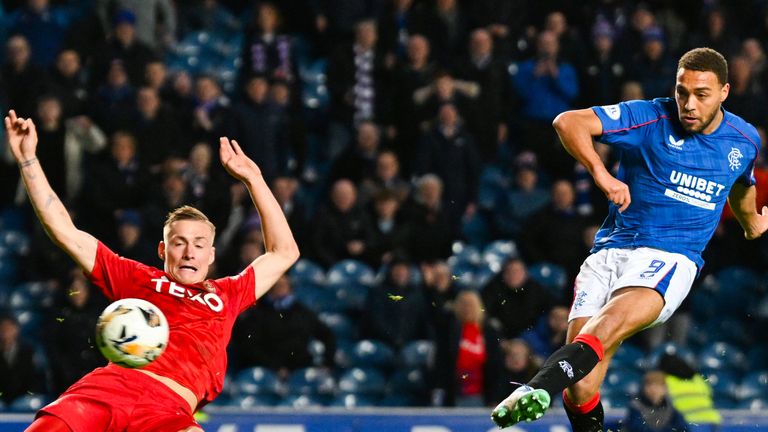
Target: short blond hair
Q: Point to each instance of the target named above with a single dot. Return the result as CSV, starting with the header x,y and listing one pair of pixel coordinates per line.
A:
x,y
187,213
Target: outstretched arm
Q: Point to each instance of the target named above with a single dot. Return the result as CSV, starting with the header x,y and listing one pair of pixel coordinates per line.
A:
x,y
576,129
281,249
22,139
742,202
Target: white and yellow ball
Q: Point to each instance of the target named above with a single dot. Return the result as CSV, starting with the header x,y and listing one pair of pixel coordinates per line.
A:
x,y
132,332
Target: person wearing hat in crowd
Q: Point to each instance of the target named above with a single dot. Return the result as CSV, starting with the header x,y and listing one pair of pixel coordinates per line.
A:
x,y
603,71
652,411
124,45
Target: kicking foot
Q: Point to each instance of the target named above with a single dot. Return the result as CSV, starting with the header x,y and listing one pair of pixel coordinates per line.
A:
x,y
524,404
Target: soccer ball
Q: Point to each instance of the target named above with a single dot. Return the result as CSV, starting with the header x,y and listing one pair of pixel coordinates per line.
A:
x,y
132,332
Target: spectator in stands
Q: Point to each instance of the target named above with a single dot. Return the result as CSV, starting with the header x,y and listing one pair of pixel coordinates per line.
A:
x,y
156,130
276,333
266,51
293,129
339,19
745,96
430,231
156,77
716,34
174,192
450,152
257,124
207,16
689,392
155,20
123,44
211,111
504,19
603,71
444,89
570,41
387,177
118,182
520,365
439,293
356,85
65,145
285,189
358,162
19,372
653,66
131,242
754,52
69,332
547,86
114,102
468,358
554,234
414,72
395,25
493,102
526,197
549,333
43,26
207,187
23,81
515,300
445,26
342,230
652,411
397,297
67,81
631,40
389,231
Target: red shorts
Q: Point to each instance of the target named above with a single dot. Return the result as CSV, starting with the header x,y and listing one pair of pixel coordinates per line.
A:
x,y
116,399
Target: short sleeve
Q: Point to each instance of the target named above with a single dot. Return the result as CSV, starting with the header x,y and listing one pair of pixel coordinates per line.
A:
x,y
624,123
112,273
747,177
240,289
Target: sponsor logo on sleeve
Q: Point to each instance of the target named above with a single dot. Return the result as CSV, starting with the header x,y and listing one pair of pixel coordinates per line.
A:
x,y
612,111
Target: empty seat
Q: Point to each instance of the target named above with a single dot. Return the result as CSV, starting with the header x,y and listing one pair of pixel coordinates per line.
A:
x,y
552,276
364,381
417,354
311,381
721,355
351,272
372,353
353,401
306,272
257,381
253,401
301,401
28,403
340,324
407,381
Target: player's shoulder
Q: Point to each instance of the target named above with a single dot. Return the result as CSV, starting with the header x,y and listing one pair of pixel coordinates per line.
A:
x,y
744,130
636,111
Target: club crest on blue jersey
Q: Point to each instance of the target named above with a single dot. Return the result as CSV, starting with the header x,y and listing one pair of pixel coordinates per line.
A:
x,y
734,158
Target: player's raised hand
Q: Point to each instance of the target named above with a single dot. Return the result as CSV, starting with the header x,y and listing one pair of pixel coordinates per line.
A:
x,y
613,188
237,164
22,137
760,225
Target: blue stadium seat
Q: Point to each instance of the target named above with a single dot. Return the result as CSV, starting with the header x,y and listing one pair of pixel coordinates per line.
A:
x,y
623,381
340,324
306,272
257,381
318,299
724,383
464,253
476,230
28,403
398,400
753,385
9,269
364,381
343,356
301,401
17,242
372,353
351,297
351,272
353,401
253,401
757,357
672,349
721,355
311,381
756,405
500,251
316,349
30,323
728,328
552,276
739,288
407,381
417,354
629,356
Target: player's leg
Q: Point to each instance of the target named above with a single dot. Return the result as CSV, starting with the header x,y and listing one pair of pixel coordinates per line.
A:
x,y
628,311
192,429
48,423
582,400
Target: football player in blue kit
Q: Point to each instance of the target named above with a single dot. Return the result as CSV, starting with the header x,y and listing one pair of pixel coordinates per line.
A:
x,y
681,159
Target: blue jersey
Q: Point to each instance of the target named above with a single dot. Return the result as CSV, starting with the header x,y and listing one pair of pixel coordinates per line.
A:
x,y
679,182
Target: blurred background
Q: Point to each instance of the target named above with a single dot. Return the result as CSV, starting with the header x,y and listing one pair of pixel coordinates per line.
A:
x,y
410,145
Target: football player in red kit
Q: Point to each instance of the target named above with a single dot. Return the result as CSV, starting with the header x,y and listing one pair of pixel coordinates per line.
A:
x,y
163,395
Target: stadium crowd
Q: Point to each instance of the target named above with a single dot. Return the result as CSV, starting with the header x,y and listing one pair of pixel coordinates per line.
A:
x,y
410,145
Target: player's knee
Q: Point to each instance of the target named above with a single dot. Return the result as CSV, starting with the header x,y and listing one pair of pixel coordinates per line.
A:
x,y
608,328
192,429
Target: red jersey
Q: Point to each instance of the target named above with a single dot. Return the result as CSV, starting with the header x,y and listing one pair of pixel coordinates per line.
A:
x,y
200,321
